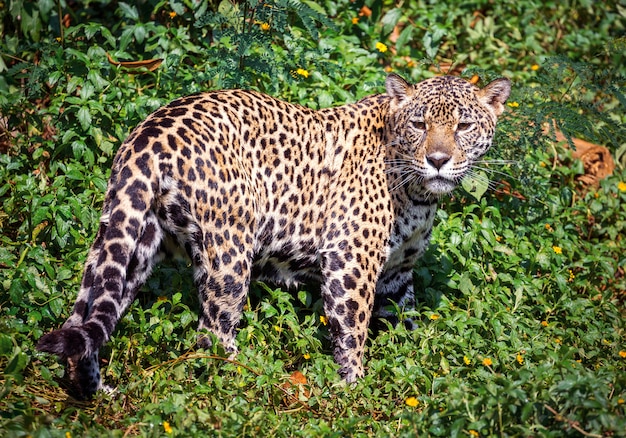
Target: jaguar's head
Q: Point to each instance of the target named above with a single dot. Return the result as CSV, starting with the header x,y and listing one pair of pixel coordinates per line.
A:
x,y
440,127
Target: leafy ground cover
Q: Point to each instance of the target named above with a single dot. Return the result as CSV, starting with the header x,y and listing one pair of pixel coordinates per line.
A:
x,y
522,291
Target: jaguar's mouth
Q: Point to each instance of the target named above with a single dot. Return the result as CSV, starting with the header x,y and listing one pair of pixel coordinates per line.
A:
x,y
439,185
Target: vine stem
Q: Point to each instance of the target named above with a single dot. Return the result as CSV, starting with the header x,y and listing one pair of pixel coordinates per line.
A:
x,y
571,423
60,12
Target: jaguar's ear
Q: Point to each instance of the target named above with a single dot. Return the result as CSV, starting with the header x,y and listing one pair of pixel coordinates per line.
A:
x,y
398,88
495,94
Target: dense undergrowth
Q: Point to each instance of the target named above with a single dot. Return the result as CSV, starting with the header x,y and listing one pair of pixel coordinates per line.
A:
x,y
521,293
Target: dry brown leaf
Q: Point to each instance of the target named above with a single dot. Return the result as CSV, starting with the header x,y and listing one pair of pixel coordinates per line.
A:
x,y
148,64
597,159
448,68
295,384
297,378
365,12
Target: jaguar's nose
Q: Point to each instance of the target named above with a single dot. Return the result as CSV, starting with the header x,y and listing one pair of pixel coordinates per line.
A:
x,y
437,159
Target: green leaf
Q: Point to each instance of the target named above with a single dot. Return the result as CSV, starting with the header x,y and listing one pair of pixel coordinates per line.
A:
x,y
325,99
84,117
476,184
186,318
390,19
304,297
64,274
17,363
405,36
98,81
179,8
6,346
128,11
140,33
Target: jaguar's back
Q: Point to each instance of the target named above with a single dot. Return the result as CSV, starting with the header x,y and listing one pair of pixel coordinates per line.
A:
x,y
250,187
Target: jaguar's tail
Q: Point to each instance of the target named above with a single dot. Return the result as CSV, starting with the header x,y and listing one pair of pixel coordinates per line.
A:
x,y
120,260
70,342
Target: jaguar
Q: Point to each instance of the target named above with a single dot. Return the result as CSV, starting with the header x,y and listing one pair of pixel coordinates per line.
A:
x,y
251,188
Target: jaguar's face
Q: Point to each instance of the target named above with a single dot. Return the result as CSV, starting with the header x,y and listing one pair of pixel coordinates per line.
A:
x,y
442,126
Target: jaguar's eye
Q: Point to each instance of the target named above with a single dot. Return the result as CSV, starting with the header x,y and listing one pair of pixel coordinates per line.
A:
x,y
418,124
463,126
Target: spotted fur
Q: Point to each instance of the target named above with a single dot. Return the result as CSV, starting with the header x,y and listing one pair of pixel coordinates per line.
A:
x,y
252,188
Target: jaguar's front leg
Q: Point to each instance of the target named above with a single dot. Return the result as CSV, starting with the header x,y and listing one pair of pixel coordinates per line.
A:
x,y
222,275
348,296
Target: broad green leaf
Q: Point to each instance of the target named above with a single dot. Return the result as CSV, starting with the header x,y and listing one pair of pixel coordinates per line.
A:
x,y
405,36
84,117
17,363
140,33
476,184
129,11
6,346
390,20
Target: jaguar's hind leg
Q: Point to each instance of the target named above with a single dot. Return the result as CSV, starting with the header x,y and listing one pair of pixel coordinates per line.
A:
x,y
222,297
223,281
148,253
221,263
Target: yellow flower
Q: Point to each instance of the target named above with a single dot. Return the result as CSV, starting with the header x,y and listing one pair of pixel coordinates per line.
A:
x,y
549,227
172,14
68,435
323,319
544,323
466,360
473,433
571,275
622,354
355,20
487,362
307,356
513,104
412,402
621,186
302,72
265,27
278,329
382,48
389,69
498,239
557,250
519,358
558,341
534,67
167,428
434,317
620,401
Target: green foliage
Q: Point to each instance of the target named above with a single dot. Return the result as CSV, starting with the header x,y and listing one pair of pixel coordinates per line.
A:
x,y
521,293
